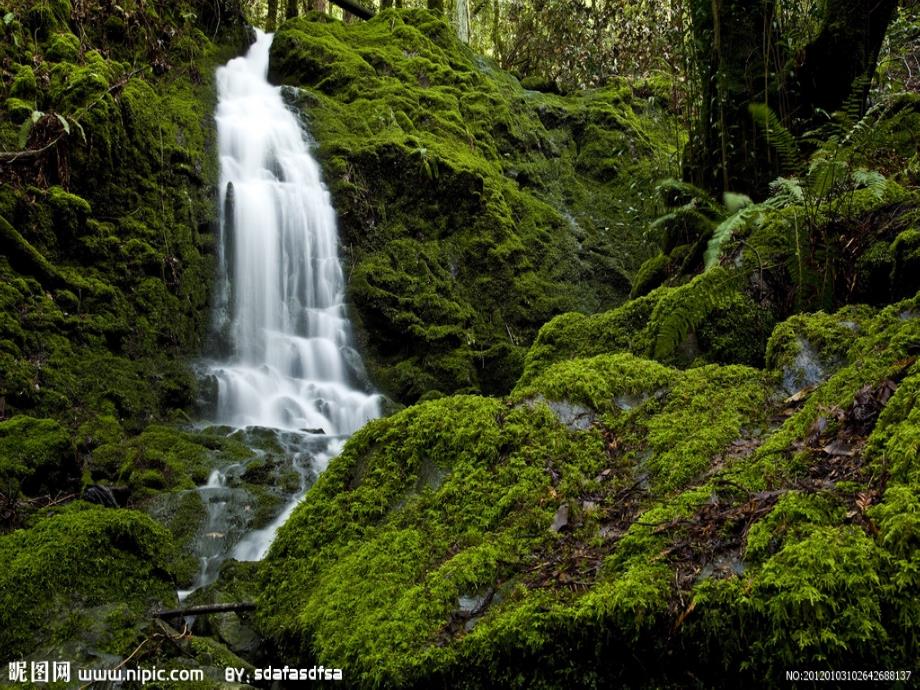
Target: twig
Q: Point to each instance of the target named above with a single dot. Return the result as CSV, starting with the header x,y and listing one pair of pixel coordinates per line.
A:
x,y
204,609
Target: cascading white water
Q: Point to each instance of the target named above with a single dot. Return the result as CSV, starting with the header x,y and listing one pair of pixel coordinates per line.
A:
x,y
280,306
283,283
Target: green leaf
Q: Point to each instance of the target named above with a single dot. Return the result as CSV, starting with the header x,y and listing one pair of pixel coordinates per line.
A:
x,y
36,116
872,180
734,202
80,130
726,229
24,130
63,121
8,18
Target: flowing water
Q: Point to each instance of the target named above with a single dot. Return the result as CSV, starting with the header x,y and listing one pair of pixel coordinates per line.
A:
x,y
280,300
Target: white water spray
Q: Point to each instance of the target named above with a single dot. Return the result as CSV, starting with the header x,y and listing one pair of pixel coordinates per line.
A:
x,y
284,286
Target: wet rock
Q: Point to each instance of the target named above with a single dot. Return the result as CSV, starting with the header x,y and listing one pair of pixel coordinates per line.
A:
x,y
575,417
721,567
561,519
805,370
101,495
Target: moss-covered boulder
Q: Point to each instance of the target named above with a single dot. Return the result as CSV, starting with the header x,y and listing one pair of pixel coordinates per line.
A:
x,y
614,511
106,222
471,209
709,319
36,456
75,561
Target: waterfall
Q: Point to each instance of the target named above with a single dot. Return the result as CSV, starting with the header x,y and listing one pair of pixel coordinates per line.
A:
x,y
282,285
280,305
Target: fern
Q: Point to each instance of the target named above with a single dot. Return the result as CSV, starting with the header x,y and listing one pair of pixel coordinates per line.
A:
x,y
726,229
684,308
785,191
780,138
872,180
853,106
735,202
824,176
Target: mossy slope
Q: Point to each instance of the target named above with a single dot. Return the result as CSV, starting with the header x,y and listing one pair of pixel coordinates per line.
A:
x,y
613,512
471,210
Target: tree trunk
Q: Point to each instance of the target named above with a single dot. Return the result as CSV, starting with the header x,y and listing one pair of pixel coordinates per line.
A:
x,y
463,20
733,41
436,6
291,9
386,4
842,59
354,8
741,64
205,608
271,17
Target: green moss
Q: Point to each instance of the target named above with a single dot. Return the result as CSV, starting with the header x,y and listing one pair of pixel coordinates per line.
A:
x,y
807,348
601,381
793,517
707,318
73,561
471,210
424,554
453,498
109,260
63,48
24,84
651,274
18,109
36,455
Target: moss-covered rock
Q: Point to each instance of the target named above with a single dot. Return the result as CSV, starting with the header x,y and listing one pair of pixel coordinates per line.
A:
x,y
36,456
73,561
107,231
471,210
808,348
708,319
615,509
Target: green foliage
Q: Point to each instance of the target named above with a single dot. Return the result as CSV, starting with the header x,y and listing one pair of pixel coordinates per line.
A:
x,y
683,309
36,456
821,596
724,230
106,230
777,135
808,348
471,210
72,561
651,274
451,501
451,498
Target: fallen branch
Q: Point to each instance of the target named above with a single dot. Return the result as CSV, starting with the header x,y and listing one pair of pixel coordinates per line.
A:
x,y
204,609
354,8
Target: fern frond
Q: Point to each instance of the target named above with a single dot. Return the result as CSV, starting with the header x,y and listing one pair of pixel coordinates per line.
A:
x,y
785,191
824,175
735,202
872,180
684,308
726,229
854,104
780,138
